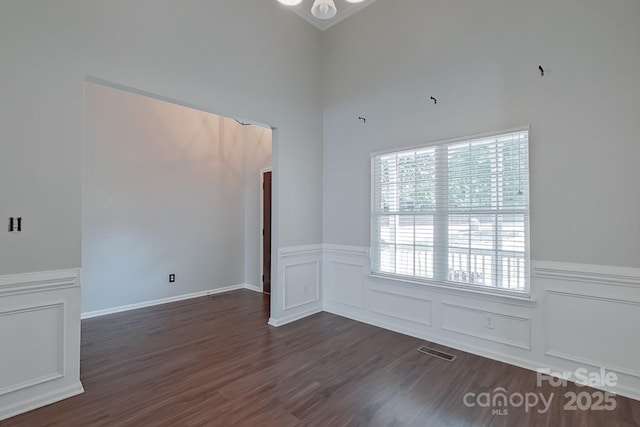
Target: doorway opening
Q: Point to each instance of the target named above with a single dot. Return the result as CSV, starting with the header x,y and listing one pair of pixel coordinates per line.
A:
x,y
187,184
267,186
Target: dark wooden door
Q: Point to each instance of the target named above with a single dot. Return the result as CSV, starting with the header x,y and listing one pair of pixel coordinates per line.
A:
x,y
266,233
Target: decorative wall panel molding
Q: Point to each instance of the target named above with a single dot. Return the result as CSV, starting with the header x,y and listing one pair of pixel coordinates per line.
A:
x,y
299,292
578,316
40,336
505,329
404,307
344,283
43,343
301,284
596,331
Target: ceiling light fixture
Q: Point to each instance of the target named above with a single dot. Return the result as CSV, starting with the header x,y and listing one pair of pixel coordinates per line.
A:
x,y
324,9
321,9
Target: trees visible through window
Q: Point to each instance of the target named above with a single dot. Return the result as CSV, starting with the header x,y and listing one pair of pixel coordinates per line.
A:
x,y
454,212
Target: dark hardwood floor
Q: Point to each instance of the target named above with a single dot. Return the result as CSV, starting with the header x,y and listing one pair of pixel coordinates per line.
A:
x,y
214,361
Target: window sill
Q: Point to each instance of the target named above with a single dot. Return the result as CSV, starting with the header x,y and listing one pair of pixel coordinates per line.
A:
x,y
507,297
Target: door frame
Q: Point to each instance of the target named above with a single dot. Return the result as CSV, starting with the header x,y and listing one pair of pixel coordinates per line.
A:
x,y
262,172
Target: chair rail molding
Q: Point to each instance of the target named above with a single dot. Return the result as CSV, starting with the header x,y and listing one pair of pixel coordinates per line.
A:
x,y
599,274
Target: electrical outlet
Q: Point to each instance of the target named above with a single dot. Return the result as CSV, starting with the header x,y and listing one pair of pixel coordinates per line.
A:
x,y
489,321
172,278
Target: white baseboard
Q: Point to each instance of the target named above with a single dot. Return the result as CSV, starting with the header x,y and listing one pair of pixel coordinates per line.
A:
x,y
289,319
252,288
104,312
40,401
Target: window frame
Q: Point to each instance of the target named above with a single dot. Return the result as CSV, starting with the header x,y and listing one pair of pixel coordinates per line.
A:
x,y
524,293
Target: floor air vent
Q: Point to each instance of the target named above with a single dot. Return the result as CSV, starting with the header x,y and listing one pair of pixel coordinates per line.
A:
x,y
437,353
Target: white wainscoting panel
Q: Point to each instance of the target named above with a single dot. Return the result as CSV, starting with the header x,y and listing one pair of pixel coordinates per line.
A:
x,y
34,357
344,271
405,307
578,316
510,330
598,331
298,293
40,339
344,283
301,284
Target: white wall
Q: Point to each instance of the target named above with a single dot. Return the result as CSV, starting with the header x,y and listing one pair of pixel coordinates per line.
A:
x,y
164,192
252,59
480,60
244,59
257,152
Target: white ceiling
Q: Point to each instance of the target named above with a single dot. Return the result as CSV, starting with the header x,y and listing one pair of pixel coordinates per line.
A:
x,y
344,11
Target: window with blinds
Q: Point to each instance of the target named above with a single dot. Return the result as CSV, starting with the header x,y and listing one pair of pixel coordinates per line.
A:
x,y
454,212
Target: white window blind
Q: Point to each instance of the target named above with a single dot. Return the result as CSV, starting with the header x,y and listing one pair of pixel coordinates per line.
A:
x,y
455,212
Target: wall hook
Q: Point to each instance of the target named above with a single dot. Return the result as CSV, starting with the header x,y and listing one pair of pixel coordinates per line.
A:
x,y
363,119
541,70
435,101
